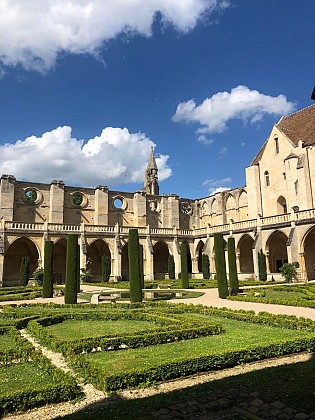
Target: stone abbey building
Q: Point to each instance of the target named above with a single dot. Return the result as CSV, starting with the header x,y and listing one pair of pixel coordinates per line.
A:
x,y
274,212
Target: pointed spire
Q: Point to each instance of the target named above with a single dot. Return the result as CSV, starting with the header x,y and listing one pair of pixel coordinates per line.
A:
x,y
151,185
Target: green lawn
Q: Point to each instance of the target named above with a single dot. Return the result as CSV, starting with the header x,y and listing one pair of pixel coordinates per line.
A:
x,y
238,335
292,295
75,329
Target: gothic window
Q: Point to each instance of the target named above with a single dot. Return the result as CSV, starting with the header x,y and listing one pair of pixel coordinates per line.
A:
x,y
267,179
31,196
277,145
282,205
186,208
296,187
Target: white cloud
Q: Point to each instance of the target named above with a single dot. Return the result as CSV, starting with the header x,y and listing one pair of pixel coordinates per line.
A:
x,y
203,139
223,151
33,34
116,156
216,185
241,103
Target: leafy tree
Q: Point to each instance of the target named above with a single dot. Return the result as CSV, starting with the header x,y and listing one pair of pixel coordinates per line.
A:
x,y
219,246
134,266
288,271
184,266
233,279
171,267
38,276
48,285
205,265
262,266
72,264
25,270
106,268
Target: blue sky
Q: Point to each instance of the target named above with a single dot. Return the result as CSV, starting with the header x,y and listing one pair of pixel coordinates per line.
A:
x,y
87,86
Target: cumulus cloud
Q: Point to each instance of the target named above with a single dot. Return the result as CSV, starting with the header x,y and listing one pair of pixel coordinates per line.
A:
x,y
34,34
241,103
216,185
204,140
114,157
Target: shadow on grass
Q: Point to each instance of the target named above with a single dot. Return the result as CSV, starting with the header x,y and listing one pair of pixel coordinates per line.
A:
x,y
293,385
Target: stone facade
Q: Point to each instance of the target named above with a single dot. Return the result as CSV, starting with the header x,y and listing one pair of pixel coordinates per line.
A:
x,y
274,212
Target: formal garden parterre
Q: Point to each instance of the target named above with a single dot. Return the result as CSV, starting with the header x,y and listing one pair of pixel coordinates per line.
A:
x,y
134,345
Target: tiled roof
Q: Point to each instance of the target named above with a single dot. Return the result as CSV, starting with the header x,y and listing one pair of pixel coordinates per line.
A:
x,y
297,126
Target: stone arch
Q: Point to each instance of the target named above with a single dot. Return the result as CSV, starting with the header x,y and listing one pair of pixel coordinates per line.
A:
x,y
160,259
59,260
19,248
281,205
95,252
230,207
125,262
199,250
245,254
308,247
242,200
276,247
189,261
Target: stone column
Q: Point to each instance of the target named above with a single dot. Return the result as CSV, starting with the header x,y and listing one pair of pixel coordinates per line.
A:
x,y
7,187
1,269
255,261
117,259
149,268
101,205
176,254
57,199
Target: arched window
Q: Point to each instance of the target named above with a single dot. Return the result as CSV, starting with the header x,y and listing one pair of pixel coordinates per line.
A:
x,y
282,205
267,180
277,144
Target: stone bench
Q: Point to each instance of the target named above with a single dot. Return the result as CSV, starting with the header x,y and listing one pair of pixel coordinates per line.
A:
x,y
98,298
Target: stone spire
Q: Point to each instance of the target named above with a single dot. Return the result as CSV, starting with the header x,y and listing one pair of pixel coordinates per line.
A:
x,y
151,185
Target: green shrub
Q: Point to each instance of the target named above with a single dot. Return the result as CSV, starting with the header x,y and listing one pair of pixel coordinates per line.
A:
x,y
38,276
233,279
25,270
184,266
205,264
71,269
106,268
288,271
134,266
219,246
48,284
171,267
262,266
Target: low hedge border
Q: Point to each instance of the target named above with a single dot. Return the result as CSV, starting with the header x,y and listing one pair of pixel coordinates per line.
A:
x,y
189,366
172,330
22,352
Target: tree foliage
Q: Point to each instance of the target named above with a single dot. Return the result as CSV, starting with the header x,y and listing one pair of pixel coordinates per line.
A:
x,y
72,264
184,266
233,278
48,285
134,266
25,270
288,271
171,267
205,266
106,268
262,266
219,246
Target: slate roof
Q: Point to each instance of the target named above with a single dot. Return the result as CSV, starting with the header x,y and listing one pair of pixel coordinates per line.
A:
x,y
297,126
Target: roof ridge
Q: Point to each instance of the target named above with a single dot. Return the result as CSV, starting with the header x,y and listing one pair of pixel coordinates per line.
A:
x,y
295,112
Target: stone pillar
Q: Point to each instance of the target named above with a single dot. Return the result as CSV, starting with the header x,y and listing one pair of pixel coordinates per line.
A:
x,y
149,267
140,209
173,211
57,199
117,259
176,254
194,263
238,262
1,269
101,205
7,187
255,261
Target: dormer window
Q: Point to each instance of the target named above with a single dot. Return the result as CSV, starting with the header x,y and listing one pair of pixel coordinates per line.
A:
x,y
277,145
267,180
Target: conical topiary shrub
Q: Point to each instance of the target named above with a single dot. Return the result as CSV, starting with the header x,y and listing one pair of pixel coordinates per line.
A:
x,y
171,267
184,266
72,263
233,278
219,246
48,284
134,266
205,266
25,271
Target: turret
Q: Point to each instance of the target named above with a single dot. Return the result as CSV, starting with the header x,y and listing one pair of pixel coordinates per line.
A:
x,y
151,185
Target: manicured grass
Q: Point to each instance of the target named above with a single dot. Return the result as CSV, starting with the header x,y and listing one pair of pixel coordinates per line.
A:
x,y
73,330
292,295
23,377
238,335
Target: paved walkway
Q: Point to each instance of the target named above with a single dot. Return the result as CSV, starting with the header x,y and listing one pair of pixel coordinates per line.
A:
x,y
210,298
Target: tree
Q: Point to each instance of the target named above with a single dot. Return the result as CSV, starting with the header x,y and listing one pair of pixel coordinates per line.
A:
x,y
184,266
48,285
233,279
141,266
134,266
72,264
106,268
205,266
288,271
25,270
171,267
262,266
219,246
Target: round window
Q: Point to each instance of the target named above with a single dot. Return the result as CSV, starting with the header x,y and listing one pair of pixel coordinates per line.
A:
x,y
31,195
77,198
118,203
